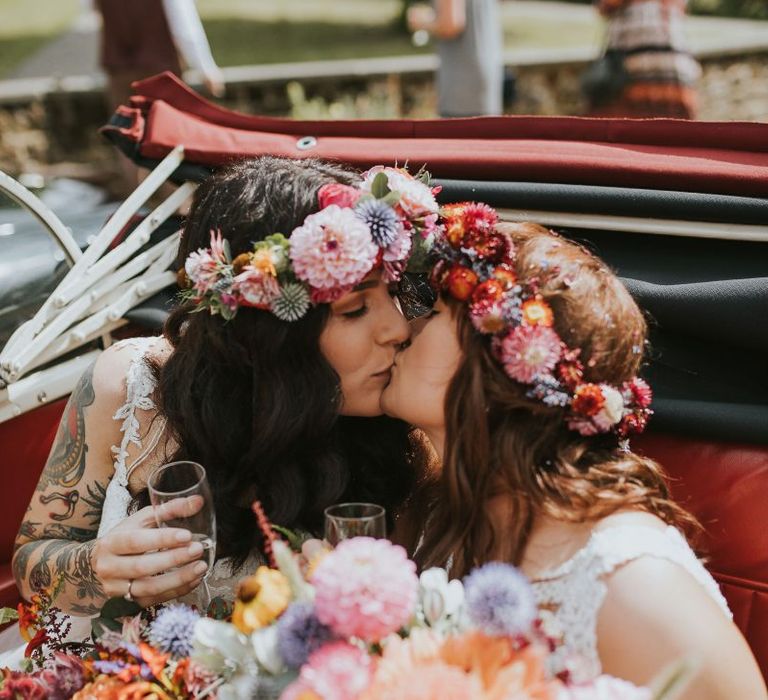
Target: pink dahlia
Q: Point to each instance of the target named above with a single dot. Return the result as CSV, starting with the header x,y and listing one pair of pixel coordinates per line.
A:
x,y
256,288
416,198
529,351
365,588
332,251
337,671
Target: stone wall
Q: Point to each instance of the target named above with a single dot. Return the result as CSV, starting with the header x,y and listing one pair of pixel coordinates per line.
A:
x,y
57,133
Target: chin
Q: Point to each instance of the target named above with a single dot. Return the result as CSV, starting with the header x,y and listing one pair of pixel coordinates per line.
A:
x,y
364,409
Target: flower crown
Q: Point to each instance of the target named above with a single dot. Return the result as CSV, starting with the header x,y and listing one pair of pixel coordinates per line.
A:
x,y
476,265
357,230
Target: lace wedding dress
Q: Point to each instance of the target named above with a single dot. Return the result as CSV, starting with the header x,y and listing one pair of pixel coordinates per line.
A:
x,y
575,590
139,387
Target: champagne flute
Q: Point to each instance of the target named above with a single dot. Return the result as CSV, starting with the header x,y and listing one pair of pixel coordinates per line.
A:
x,y
345,520
181,480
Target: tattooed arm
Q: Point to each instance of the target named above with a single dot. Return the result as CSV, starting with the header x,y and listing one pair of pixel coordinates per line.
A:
x,y
58,537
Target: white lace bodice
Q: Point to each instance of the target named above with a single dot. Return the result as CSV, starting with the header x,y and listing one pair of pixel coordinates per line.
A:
x,y
139,387
575,590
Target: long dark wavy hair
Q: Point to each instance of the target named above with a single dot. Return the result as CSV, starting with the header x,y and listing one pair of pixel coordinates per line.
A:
x,y
509,458
253,399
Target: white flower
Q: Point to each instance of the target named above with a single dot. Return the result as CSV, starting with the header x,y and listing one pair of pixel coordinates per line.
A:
x,y
289,566
612,410
221,648
416,198
441,600
264,642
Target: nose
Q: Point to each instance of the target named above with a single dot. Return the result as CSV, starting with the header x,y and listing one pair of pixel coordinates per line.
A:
x,y
395,330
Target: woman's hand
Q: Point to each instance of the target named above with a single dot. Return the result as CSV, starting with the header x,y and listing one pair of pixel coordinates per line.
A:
x,y
155,564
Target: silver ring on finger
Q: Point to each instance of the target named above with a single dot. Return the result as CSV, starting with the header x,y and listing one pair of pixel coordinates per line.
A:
x,y
128,595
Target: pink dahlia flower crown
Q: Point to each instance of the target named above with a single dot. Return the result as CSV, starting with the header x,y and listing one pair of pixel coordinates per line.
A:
x,y
476,264
356,230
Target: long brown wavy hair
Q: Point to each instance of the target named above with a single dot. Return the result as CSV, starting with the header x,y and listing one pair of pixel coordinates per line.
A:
x,y
502,448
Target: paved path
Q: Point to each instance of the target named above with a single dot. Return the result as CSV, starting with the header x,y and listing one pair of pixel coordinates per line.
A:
x,y
75,52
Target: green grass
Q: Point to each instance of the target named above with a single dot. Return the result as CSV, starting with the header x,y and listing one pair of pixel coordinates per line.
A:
x,y
27,25
235,41
275,31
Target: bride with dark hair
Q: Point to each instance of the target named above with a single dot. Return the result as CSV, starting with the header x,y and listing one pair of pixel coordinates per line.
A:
x,y
269,375
523,377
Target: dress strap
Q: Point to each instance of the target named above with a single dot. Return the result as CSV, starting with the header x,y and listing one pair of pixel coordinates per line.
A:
x,y
139,385
618,545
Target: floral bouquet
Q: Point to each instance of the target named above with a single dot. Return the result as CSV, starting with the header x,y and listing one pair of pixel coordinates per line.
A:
x,y
354,623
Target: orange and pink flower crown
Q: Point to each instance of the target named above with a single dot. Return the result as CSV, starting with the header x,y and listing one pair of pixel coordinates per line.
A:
x,y
476,264
356,230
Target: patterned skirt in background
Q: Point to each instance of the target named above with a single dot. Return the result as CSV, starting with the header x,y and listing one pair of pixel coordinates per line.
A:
x,y
661,74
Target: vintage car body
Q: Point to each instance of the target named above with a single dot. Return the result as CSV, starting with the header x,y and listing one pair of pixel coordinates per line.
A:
x,y
679,209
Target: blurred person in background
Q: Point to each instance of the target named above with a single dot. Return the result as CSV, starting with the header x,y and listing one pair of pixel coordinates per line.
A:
x,y
140,38
470,46
646,69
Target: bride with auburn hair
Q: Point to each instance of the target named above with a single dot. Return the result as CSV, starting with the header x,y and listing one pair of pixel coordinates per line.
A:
x,y
524,378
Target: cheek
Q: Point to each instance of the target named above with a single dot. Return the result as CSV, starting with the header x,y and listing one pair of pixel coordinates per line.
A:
x,y
424,371
345,346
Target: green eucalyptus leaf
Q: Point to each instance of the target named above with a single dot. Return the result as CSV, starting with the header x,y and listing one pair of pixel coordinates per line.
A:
x,y
392,198
120,607
380,186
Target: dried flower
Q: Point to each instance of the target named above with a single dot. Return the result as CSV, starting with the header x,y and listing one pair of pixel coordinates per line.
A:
x,y
261,598
460,282
291,303
381,220
588,400
642,395
529,351
536,312
299,633
172,631
500,600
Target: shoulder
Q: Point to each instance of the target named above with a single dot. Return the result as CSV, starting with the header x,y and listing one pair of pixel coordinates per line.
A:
x,y
654,610
112,367
630,518
120,366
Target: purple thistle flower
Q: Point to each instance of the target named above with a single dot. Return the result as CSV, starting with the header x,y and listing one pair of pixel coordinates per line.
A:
x,y
500,600
381,220
172,630
299,633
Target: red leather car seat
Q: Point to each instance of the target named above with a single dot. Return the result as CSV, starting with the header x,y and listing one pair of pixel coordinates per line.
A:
x,y
725,486
26,442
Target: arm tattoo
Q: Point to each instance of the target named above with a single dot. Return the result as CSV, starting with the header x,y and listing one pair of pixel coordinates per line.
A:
x,y
70,498
66,465
69,560
95,498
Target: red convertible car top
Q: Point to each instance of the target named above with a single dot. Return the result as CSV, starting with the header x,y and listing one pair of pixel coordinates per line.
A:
x,y
679,209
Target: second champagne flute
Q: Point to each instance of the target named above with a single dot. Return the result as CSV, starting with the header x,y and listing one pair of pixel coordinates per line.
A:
x,y
345,520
